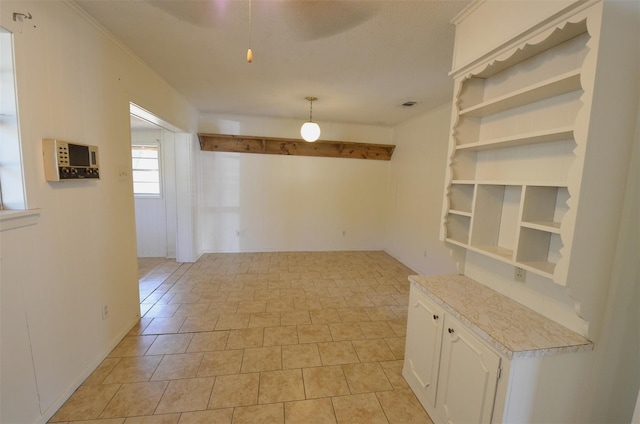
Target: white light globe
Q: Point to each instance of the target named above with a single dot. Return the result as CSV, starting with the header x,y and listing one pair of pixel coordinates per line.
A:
x,y
310,131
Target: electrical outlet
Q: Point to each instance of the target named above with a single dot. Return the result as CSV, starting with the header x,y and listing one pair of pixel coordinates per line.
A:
x,y
521,274
105,312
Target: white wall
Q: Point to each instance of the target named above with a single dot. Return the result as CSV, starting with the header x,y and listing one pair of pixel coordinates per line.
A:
x,y
291,203
74,83
416,193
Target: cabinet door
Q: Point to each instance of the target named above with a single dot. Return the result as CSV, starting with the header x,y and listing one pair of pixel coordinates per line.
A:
x,y
468,376
422,352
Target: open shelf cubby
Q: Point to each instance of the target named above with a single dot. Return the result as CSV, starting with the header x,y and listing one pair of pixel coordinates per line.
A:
x,y
495,219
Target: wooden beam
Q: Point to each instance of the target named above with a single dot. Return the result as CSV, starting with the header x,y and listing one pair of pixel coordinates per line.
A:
x,y
294,147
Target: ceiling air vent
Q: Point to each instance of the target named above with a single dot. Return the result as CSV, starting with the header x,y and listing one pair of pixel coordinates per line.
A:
x,y
409,103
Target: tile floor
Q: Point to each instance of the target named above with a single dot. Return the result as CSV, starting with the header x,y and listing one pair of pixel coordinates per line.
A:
x,y
259,338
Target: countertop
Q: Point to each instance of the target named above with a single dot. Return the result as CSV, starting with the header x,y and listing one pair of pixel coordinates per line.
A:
x,y
513,329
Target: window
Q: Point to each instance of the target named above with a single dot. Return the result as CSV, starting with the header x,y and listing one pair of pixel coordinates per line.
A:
x,y
12,195
146,170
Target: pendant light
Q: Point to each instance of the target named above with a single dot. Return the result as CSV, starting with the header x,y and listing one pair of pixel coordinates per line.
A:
x,y
310,131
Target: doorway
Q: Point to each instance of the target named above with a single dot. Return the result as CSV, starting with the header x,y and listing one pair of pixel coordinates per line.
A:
x,y
154,189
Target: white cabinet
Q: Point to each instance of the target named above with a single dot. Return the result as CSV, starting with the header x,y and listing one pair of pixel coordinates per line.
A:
x,y
424,323
469,372
450,370
475,356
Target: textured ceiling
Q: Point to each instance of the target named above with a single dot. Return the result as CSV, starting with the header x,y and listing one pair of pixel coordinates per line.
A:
x,y
362,59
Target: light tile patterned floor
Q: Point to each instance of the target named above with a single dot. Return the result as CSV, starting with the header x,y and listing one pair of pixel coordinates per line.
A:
x,y
259,338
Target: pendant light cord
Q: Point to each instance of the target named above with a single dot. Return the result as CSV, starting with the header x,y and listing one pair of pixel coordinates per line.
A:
x,y
249,52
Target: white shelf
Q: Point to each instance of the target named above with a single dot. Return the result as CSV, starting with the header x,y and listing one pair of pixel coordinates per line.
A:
x,y
458,242
551,87
461,213
497,252
544,136
551,227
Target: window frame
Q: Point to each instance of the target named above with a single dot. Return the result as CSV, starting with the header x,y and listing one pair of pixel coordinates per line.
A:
x,y
158,147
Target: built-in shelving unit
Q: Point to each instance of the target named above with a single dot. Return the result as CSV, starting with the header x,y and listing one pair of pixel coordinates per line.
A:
x,y
512,146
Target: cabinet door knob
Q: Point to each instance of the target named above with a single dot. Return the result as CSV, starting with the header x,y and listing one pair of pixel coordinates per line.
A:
x,y
435,317
450,330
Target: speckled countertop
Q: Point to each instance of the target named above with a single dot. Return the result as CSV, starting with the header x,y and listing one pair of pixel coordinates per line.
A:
x,y
508,326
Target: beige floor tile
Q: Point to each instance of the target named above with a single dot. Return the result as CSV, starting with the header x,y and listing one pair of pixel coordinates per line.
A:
x,y
103,370
99,421
186,395
401,312
314,333
232,322
209,341
340,306
324,382
399,326
272,414
281,386
183,365
162,311
278,336
382,299
396,345
153,419
295,318
248,337
166,344
301,356
373,350
358,409
380,313
353,315
310,303
132,346
402,407
262,359
134,399
133,369
264,319
241,296
264,295
192,310
277,285
221,363
393,371
376,329
314,411
294,293
279,305
346,331
86,403
223,308
215,416
164,325
235,390
333,303
366,378
195,324
252,307
324,316
337,353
